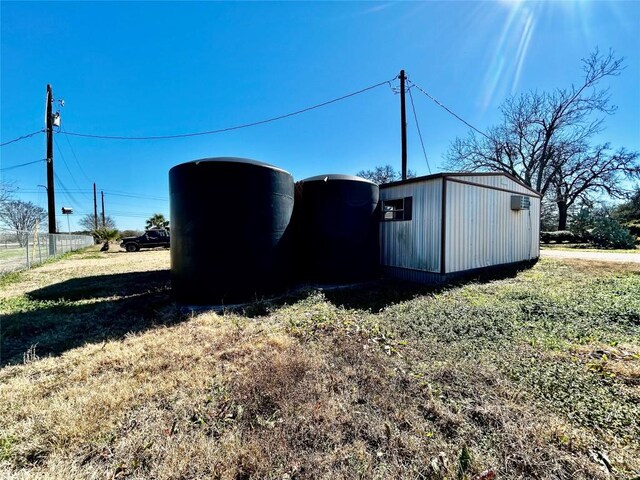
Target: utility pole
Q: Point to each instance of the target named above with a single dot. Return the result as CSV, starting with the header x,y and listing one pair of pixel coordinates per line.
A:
x,y
403,125
102,195
51,201
95,207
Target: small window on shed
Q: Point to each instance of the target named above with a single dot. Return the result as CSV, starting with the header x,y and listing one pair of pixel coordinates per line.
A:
x,y
397,209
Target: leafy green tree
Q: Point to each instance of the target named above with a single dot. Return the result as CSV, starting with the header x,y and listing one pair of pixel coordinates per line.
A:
x,y
157,220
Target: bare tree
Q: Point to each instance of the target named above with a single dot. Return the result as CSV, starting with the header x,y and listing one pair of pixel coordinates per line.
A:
x,y
542,136
382,175
6,190
582,171
87,222
21,217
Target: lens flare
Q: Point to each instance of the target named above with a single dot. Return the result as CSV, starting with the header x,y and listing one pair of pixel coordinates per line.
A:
x,y
505,68
506,65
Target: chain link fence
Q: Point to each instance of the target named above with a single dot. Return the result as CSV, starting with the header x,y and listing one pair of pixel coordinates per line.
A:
x,y
20,250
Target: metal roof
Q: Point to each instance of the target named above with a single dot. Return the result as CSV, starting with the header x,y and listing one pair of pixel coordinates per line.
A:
x,y
459,174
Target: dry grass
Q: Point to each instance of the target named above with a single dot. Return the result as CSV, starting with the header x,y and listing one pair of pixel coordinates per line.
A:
x,y
581,247
620,361
89,262
312,389
599,267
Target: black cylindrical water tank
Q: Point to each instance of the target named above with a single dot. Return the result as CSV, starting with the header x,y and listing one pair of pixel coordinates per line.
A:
x,y
229,219
337,228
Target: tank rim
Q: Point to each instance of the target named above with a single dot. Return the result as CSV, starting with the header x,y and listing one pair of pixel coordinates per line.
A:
x,y
336,176
238,160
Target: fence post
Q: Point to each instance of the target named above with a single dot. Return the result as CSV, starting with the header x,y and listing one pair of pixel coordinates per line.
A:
x,y
27,250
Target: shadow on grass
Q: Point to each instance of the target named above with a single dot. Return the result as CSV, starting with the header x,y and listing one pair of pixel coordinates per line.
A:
x,y
103,286
62,316
374,296
377,296
52,318
384,293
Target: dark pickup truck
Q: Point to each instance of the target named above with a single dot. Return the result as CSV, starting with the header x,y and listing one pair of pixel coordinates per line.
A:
x,y
151,239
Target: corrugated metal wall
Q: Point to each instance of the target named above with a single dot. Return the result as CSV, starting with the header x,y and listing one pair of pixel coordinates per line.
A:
x,y
415,243
481,228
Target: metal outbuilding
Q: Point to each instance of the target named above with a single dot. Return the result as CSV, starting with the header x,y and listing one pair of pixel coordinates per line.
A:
x,y
439,227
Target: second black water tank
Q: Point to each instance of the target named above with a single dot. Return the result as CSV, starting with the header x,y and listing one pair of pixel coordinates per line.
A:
x,y
336,220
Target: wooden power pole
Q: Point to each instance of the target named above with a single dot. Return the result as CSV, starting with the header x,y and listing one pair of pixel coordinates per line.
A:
x,y
51,199
403,125
95,207
102,195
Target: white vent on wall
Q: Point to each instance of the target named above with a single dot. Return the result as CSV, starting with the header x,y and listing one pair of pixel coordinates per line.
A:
x,y
520,202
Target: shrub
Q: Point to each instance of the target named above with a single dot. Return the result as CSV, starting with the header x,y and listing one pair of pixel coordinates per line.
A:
x,y
558,237
582,223
105,235
608,233
633,227
630,210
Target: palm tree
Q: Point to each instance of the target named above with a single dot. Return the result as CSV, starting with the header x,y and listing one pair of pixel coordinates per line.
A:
x,y
106,235
157,221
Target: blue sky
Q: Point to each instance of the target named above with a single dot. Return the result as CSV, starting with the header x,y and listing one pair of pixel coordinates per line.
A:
x,y
141,69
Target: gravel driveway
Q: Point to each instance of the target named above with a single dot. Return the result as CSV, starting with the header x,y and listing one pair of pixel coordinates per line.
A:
x,y
599,256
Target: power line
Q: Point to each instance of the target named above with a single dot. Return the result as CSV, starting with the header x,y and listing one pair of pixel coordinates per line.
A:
x,y
75,156
113,214
64,189
415,116
147,197
70,190
236,127
109,192
66,165
451,112
21,138
118,213
23,164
